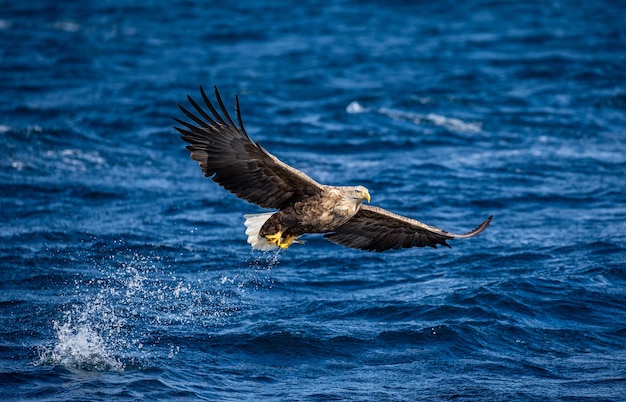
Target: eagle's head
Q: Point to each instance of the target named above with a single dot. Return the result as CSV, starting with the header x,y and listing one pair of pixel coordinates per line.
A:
x,y
359,193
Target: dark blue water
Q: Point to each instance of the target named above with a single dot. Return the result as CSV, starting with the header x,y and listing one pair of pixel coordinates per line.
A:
x,y
125,274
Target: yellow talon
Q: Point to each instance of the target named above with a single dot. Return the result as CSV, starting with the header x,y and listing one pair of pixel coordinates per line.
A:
x,y
275,238
288,240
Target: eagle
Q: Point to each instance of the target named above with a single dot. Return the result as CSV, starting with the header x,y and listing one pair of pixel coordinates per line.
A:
x,y
301,205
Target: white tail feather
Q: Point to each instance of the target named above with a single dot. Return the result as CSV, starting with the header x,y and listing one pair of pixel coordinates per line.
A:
x,y
253,227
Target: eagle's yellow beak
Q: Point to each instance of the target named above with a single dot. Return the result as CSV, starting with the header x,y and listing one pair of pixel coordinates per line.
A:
x,y
366,196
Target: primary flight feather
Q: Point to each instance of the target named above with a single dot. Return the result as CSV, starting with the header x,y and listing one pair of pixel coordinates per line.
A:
x,y
226,153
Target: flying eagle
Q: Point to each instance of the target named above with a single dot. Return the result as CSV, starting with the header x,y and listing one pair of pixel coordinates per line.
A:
x,y
243,167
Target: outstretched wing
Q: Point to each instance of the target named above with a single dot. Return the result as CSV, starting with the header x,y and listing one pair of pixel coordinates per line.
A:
x,y
241,166
374,228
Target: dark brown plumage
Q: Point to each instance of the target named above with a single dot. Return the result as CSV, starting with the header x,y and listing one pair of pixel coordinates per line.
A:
x,y
226,153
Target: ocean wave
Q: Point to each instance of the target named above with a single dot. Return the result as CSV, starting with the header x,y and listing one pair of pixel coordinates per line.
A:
x,y
428,119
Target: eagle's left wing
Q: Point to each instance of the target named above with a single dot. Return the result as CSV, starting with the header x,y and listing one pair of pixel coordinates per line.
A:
x,y
243,167
374,228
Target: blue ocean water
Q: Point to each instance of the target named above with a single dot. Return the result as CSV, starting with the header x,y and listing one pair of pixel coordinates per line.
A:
x,y
125,274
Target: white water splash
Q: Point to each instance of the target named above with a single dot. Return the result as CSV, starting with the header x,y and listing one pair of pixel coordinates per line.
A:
x,y
115,328
261,263
265,260
91,334
81,346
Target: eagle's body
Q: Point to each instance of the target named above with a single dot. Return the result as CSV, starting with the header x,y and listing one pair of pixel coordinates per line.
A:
x,y
320,213
243,167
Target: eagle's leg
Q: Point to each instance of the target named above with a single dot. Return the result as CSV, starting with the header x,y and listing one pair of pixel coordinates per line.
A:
x,y
288,240
275,238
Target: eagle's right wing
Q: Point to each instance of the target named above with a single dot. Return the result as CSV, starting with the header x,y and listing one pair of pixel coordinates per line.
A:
x,y
241,166
376,229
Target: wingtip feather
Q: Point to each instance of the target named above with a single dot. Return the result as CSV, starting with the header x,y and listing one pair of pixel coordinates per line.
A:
x,y
480,228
